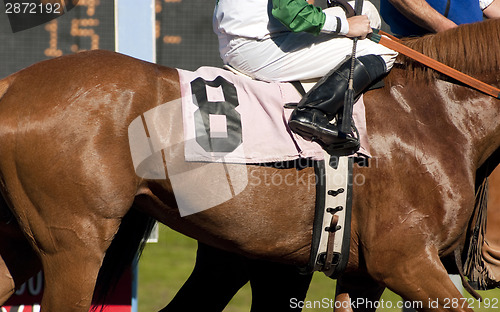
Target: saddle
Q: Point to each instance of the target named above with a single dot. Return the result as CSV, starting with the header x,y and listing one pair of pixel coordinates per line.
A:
x,y
231,119
332,219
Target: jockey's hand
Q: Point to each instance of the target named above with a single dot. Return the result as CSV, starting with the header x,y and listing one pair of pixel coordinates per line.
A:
x,y
359,26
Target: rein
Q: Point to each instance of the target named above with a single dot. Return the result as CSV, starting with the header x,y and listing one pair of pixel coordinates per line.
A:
x,y
393,43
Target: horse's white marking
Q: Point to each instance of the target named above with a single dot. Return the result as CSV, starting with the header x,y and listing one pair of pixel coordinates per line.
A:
x,y
396,93
470,117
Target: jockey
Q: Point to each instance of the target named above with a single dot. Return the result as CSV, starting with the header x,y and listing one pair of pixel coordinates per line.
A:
x,y
419,17
278,40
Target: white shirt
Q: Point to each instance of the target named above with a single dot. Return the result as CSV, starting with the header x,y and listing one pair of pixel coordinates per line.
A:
x,y
483,4
246,18
253,19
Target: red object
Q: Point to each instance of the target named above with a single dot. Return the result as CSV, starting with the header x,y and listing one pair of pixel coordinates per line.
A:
x,y
29,296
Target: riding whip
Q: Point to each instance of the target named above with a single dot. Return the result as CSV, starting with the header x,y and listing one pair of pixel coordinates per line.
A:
x,y
349,94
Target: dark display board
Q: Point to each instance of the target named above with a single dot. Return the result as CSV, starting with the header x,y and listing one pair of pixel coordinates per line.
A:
x,y
184,34
186,39
90,25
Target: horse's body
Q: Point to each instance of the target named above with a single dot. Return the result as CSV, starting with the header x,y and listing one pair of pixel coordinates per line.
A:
x,y
67,175
491,246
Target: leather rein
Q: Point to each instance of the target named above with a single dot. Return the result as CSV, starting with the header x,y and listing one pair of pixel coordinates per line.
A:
x,y
395,44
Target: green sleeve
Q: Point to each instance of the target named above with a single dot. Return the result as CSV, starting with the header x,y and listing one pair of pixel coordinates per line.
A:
x,y
298,15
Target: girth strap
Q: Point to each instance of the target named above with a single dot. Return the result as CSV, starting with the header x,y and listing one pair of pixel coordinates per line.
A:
x,y
332,221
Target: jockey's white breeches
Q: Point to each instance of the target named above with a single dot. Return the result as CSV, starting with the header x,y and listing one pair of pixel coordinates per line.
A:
x,y
300,56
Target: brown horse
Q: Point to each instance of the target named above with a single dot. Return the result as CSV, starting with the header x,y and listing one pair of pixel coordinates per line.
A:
x,y
491,245
67,175
492,232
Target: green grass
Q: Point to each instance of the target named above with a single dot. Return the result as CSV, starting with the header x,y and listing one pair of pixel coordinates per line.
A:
x,y
165,266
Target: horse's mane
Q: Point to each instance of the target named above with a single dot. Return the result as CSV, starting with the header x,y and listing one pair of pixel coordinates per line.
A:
x,y
471,48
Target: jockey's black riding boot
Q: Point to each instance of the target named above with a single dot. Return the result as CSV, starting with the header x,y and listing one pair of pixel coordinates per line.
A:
x,y
311,119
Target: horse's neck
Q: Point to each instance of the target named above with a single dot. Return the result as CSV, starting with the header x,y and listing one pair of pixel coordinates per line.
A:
x,y
475,115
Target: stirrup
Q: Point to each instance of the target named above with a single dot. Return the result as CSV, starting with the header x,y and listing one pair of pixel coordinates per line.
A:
x,y
343,149
350,145
333,141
